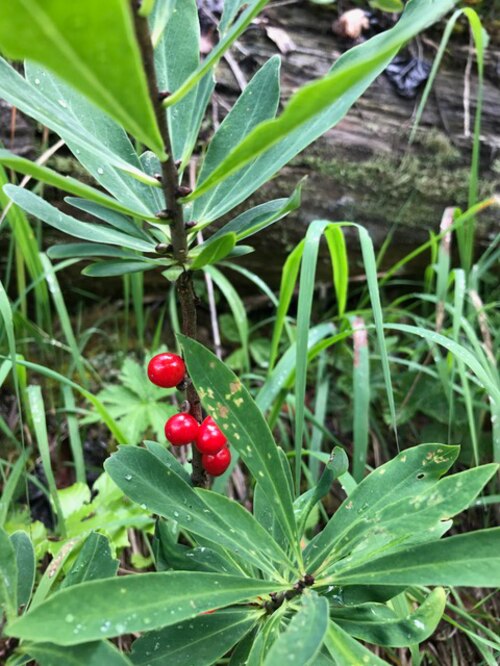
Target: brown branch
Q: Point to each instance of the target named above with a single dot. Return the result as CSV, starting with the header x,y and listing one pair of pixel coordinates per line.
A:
x,y
170,184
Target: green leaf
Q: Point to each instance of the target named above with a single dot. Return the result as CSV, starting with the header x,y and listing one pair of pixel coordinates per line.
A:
x,y
171,555
321,104
361,397
99,653
8,574
231,9
130,185
147,480
230,404
213,251
423,517
120,222
337,465
94,562
65,183
379,624
346,651
258,102
289,276
114,268
198,642
36,206
253,8
25,97
338,254
412,471
302,639
177,56
25,562
469,560
86,250
62,37
243,522
124,605
304,307
387,5
254,220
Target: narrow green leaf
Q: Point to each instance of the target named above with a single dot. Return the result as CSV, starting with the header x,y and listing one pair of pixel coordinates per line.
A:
x,y
177,56
306,291
75,440
93,562
457,350
387,5
25,562
8,574
36,206
37,408
62,37
197,642
302,639
98,653
230,404
124,605
289,276
346,651
114,268
18,92
53,571
370,265
379,624
88,250
468,560
65,183
120,222
338,255
254,220
336,466
253,8
64,318
258,102
214,251
361,397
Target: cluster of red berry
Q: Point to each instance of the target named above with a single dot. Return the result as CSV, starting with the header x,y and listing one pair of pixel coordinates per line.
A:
x,y
168,370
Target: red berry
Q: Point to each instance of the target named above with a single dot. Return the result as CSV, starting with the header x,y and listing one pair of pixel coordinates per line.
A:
x,y
166,370
210,437
181,429
216,463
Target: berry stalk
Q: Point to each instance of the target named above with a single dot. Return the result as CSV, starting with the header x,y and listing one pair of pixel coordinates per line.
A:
x,y
175,215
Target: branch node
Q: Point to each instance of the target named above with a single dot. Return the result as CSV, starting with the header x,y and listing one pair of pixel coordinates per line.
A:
x,y
182,191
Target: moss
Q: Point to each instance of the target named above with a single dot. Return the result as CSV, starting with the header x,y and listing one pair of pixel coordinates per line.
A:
x,y
411,190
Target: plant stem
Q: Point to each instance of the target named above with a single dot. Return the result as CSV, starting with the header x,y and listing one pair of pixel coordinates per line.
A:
x,y
178,235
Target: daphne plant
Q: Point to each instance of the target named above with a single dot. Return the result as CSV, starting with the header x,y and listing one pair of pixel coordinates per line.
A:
x,y
124,87
251,582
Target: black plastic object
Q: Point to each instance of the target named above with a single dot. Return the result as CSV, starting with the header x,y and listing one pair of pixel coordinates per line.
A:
x,y
407,74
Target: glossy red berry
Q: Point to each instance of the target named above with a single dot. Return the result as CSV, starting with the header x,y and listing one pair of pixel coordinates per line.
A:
x,y
216,463
166,370
181,429
210,437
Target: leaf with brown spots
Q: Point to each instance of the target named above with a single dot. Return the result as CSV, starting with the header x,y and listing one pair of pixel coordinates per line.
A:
x,y
229,402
